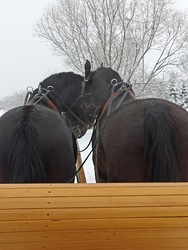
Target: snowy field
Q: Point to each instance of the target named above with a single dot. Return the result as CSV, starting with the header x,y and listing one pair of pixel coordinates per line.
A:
x,y
88,166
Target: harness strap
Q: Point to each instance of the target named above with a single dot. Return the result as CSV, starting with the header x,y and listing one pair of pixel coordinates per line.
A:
x,y
108,105
114,96
123,97
52,105
97,148
49,103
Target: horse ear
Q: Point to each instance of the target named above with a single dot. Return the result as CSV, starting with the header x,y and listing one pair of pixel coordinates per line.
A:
x,y
87,67
102,64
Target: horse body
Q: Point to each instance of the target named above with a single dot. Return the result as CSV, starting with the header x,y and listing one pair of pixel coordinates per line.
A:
x,y
37,142
36,145
142,140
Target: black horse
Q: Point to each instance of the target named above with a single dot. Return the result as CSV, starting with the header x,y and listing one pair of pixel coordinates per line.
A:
x,y
142,140
65,92
36,146
36,142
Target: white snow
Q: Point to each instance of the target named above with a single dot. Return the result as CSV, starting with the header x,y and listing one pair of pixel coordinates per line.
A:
x,y
88,165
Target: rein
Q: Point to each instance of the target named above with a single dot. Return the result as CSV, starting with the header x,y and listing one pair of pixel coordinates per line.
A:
x,y
81,166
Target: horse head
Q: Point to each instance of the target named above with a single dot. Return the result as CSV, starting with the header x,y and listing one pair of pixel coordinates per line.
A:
x,y
65,91
102,85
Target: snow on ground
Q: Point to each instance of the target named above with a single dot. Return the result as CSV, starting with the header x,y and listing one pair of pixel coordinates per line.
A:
x,y
83,142
88,165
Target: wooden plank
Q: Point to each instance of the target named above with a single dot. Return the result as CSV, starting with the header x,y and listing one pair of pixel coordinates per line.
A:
x,y
85,213
97,190
81,202
97,216
139,244
93,224
96,185
91,235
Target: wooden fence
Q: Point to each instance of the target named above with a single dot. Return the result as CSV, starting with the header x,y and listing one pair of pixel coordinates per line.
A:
x,y
94,216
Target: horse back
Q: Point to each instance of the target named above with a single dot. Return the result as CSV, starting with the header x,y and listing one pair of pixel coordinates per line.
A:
x,y
124,142
31,133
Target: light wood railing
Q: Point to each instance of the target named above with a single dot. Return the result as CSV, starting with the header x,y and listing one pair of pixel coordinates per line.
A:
x,y
94,216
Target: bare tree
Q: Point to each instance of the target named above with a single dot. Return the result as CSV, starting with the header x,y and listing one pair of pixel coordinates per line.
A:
x,y
17,99
120,33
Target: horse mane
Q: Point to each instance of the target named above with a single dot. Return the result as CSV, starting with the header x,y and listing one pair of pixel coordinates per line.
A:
x,y
66,76
106,72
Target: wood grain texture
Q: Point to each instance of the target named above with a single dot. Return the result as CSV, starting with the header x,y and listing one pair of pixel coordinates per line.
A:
x,y
94,216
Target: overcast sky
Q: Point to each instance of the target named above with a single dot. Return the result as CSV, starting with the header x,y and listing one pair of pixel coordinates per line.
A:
x,y
24,59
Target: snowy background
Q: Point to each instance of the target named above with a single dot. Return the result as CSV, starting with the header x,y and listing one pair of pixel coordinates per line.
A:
x,y
88,166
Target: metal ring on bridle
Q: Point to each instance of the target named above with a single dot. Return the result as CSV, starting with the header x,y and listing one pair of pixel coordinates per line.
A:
x,y
29,89
114,82
50,88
